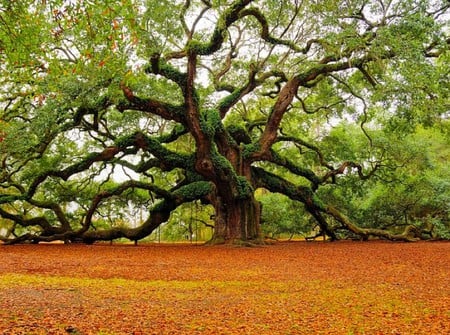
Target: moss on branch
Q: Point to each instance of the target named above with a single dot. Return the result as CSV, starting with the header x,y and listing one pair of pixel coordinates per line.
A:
x,y
292,167
265,33
176,132
210,122
250,149
159,213
228,17
244,189
193,191
277,184
158,65
156,148
10,198
238,134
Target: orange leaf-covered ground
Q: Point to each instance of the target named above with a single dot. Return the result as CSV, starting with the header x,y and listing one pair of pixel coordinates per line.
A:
x,y
286,288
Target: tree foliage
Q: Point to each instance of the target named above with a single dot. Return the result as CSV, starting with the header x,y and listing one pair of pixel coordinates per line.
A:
x,y
116,106
412,188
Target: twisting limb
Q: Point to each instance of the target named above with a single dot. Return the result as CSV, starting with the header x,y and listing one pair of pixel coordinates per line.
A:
x,y
363,101
153,106
307,145
351,165
42,222
100,197
265,35
294,168
228,17
159,213
318,109
410,234
303,194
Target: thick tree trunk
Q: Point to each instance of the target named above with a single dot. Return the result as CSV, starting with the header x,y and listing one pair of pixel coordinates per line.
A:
x,y
237,222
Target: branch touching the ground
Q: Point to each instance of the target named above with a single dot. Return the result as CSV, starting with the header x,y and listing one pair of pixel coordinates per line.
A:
x,y
158,214
410,234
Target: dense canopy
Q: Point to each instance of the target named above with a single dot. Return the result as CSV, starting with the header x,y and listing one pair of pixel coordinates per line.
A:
x,y
113,114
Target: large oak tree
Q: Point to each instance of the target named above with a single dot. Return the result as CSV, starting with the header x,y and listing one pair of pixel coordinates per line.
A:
x,y
114,104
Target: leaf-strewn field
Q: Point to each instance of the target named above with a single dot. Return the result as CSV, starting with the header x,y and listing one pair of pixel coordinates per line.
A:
x,y
286,288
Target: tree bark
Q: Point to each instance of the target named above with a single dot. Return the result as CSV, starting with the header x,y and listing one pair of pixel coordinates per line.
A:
x,y
237,222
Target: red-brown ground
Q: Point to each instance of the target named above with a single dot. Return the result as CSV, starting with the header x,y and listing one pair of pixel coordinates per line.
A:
x,y
286,288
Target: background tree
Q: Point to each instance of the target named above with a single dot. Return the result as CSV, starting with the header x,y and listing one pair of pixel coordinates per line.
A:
x,y
204,101
410,190
282,218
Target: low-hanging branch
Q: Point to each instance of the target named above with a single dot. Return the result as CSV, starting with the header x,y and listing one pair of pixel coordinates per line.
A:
x,y
118,190
158,214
